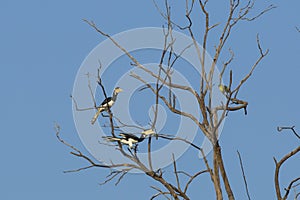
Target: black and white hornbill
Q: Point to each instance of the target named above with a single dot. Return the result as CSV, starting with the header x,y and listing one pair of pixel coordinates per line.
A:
x,y
126,138
108,102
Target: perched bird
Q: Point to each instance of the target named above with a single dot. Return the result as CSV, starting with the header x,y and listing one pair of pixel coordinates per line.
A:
x,y
108,102
126,138
224,89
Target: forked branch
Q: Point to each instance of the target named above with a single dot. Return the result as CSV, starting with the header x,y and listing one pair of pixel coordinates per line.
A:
x,y
277,170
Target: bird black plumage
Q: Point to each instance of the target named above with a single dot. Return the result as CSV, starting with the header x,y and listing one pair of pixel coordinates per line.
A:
x,y
126,138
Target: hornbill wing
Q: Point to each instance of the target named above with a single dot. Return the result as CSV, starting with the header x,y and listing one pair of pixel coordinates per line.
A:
x,y
104,103
129,135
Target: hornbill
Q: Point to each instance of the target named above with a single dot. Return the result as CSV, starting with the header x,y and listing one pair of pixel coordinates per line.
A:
x,y
108,102
127,138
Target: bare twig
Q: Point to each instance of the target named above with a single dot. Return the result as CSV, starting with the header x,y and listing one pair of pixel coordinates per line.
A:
x,y
270,7
244,176
287,190
111,176
280,128
192,178
171,137
90,88
176,173
262,55
160,192
76,105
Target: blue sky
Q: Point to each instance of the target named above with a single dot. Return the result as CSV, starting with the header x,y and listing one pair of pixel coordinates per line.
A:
x,y
43,44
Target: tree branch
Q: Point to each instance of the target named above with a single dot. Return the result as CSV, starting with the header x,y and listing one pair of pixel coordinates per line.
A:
x,y
244,176
277,170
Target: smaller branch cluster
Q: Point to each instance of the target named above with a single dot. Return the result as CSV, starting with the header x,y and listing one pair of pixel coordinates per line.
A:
x,y
278,164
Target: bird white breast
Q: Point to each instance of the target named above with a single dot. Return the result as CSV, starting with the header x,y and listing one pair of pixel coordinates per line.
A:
x,y
110,104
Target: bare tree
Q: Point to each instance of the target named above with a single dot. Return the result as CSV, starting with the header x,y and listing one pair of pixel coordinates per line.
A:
x,y
211,116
